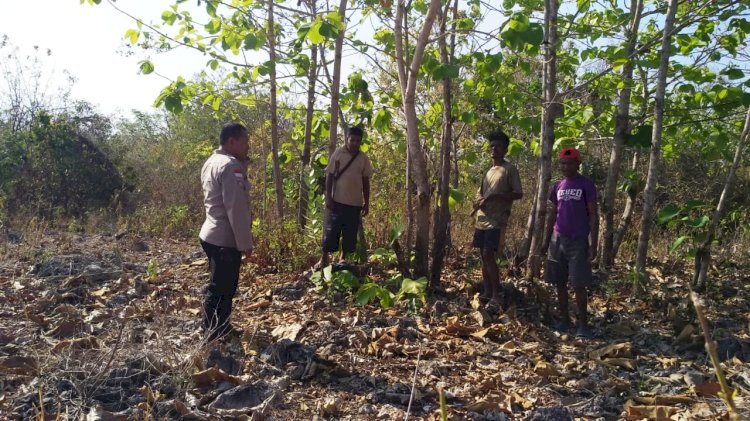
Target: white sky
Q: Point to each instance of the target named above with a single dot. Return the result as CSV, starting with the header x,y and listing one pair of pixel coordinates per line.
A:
x,y
85,41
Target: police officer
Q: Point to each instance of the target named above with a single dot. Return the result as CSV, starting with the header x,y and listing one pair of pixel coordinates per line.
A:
x,y
226,233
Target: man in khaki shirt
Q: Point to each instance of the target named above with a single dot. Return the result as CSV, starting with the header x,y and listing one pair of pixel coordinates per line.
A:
x,y
500,187
226,233
347,196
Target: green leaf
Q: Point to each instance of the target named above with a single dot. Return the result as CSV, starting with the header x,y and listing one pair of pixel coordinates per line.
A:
x,y
366,293
314,35
676,243
132,35
382,120
252,42
146,67
445,71
699,222
213,26
396,233
667,214
213,64
413,287
733,73
169,17
583,5
640,137
455,197
696,204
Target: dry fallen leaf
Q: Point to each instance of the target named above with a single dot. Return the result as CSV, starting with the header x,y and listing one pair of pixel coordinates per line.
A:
x,y
18,365
212,376
290,331
621,350
665,399
707,389
545,369
89,342
651,412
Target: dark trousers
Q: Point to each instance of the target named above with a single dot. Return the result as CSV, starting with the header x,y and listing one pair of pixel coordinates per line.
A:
x,y
224,265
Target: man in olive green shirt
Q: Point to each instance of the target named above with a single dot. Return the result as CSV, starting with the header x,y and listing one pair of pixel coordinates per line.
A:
x,y
347,196
500,186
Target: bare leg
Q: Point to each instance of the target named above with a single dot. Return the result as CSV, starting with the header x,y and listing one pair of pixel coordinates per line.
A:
x,y
582,304
562,299
492,273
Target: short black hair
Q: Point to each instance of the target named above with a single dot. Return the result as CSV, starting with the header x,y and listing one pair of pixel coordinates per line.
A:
x,y
498,136
356,131
231,130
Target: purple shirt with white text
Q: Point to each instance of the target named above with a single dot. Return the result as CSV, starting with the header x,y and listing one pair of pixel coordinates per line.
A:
x,y
572,197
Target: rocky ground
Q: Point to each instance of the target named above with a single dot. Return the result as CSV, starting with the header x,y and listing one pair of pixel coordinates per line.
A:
x,y
106,328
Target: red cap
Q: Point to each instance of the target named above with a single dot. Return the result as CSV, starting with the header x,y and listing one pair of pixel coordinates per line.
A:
x,y
570,153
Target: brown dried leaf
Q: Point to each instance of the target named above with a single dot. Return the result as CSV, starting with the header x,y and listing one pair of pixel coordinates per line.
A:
x,y
686,333
212,376
66,329
490,404
711,389
665,400
545,369
651,412
627,363
290,331
621,350
79,343
668,362
453,327
18,365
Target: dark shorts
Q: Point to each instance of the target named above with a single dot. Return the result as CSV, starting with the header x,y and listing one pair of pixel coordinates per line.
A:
x,y
343,221
568,260
486,239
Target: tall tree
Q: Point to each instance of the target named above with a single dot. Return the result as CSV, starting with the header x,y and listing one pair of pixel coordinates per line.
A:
x,y
408,82
336,82
622,122
551,110
274,113
442,212
703,254
312,77
649,194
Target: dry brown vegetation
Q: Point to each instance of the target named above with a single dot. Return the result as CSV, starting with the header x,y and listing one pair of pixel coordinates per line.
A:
x,y
93,329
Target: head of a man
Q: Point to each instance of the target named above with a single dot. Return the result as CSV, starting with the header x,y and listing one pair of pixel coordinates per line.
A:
x,y
234,140
570,162
498,145
354,139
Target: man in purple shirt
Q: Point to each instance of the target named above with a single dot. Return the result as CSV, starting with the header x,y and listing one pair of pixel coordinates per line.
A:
x,y
571,238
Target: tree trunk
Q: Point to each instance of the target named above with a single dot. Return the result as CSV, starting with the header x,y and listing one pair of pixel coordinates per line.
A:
x,y
627,215
621,129
335,85
305,162
442,213
417,155
703,255
551,109
649,194
274,116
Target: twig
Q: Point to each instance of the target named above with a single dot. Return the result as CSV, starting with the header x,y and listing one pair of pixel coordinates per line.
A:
x,y
413,382
728,394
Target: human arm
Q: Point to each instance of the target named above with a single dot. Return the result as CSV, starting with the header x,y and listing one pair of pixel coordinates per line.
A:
x,y
366,193
329,191
236,202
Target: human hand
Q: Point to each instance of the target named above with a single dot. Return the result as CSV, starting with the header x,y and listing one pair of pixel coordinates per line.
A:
x,y
329,203
365,209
